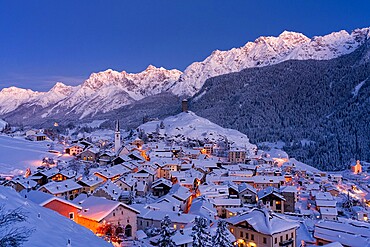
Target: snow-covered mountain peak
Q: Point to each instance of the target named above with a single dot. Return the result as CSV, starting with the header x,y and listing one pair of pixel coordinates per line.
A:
x,y
13,97
266,51
60,87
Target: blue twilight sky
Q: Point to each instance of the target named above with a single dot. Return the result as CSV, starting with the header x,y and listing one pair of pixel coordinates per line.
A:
x,y
45,41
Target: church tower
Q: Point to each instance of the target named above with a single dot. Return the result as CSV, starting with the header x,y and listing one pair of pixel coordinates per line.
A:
x,y
117,138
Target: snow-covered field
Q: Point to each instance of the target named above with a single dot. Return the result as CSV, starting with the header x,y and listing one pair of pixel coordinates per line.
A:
x,y
17,154
50,228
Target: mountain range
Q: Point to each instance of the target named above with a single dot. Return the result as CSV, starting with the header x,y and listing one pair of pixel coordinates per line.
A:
x,y
311,93
109,90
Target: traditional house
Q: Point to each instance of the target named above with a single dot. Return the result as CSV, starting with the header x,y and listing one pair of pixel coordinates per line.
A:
x,y
112,173
66,208
75,149
263,229
90,184
91,155
98,212
290,193
327,213
145,175
152,218
272,199
68,189
221,204
127,183
21,183
161,187
106,158
247,193
62,175
237,155
109,190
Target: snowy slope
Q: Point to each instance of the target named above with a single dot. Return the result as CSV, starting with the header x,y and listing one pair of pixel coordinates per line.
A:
x,y
16,155
189,125
51,229
2,125
267,51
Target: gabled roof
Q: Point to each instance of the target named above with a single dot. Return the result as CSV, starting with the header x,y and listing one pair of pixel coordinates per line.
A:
x,y
270,191
42,198
180,192
164,181
111,189
61,187
264,222
347,232
90,181
97,208
244,186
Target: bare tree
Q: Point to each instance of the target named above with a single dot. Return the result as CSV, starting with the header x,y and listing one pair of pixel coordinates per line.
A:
x,y
10,234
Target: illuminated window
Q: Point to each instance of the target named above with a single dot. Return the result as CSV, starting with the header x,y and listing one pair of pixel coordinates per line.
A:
x,y
175,226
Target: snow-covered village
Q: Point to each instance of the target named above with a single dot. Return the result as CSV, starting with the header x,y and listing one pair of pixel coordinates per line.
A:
x,y
181,181
184,123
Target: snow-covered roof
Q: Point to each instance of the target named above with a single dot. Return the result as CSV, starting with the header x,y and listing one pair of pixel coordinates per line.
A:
x,y
324,196
61,187
328,211
111,189
289,189
325,203
269,191
97,208
90,181
179,192
347,232
113,171
226,202
203,207
161,181
25,182
264,222
244,186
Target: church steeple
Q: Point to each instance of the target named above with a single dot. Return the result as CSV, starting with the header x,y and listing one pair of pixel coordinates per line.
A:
x,y
117,137
117,126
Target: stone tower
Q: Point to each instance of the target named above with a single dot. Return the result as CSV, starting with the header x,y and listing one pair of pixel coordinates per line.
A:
x,y
184,105
117,138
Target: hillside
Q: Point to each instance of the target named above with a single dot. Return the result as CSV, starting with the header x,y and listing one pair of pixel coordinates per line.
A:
x,y
188,126
320,109
50,228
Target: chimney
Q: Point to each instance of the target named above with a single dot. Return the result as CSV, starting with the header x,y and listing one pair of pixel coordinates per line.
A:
x,y
184,105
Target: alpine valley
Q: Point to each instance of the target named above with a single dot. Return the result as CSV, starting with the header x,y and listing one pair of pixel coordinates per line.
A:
x,y
310,93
